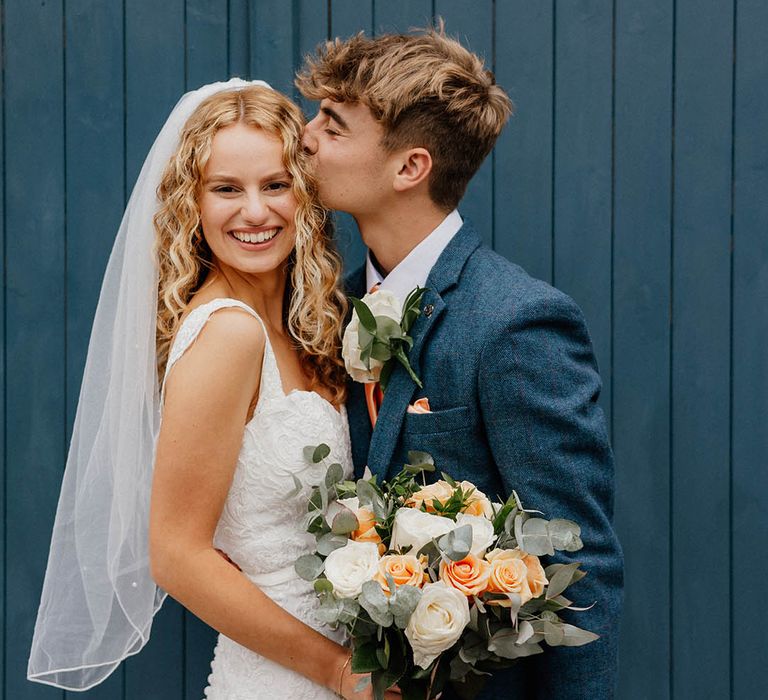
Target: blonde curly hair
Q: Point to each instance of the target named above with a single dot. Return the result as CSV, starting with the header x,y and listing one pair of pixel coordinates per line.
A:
x,y
315,306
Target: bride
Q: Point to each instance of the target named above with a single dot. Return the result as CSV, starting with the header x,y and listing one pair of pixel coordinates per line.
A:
x,y
220,314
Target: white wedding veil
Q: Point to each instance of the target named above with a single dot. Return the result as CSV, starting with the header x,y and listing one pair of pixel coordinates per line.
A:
x,y
99,598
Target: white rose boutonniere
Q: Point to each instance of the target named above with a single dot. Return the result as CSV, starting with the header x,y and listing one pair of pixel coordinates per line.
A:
x,y
377,336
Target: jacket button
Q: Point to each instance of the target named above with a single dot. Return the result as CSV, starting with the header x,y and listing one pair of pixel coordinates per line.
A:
x,y
428,309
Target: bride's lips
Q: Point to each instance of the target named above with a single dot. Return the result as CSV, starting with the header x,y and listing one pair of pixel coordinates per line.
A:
x,y
269,234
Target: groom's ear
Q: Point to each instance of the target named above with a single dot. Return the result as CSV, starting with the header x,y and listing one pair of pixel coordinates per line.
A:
x,y
415,165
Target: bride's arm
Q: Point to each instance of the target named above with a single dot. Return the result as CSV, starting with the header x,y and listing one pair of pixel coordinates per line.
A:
x,y
208,395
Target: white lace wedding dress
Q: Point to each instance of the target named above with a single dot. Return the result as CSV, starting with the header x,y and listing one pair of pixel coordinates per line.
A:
x,y
261,527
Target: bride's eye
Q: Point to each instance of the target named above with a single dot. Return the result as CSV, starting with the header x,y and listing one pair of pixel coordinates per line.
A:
x,y
225,189
278,186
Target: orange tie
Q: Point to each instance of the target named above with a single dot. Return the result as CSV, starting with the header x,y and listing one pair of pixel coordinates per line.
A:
x,y
373,393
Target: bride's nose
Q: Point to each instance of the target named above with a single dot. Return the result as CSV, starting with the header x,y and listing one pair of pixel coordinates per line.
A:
x,y
254,209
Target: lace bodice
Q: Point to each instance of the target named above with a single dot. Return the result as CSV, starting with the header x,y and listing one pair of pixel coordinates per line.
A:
x,y
261,526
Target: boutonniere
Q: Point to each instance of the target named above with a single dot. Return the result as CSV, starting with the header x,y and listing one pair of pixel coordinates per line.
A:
x,y
377,336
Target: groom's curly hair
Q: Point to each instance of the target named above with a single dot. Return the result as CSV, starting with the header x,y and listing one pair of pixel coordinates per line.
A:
x,y
426,90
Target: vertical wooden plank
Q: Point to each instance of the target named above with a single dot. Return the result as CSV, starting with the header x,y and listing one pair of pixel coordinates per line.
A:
x,y
154,73
401,15
641,332
206,42
207,59
472,25
582,178
701,347
34,316
523,158
312,30
238,36
273,30
749,363
94,189
349,17
3,562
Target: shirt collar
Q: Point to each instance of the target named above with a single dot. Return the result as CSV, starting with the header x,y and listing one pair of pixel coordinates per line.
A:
x,y
414,269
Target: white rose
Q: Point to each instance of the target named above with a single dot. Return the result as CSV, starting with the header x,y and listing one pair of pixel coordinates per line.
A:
x,y
437,622
415,527
350,566
482,532
381,303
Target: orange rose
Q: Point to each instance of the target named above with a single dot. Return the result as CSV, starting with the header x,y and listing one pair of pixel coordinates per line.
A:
x,y
470,575
537,579
405,569
367,530
509,574
439,491
478,503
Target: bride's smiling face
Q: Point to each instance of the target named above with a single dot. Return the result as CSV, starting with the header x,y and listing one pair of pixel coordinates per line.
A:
x,y
247,205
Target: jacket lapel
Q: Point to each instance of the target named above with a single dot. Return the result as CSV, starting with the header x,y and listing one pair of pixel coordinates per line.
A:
x,y
443,276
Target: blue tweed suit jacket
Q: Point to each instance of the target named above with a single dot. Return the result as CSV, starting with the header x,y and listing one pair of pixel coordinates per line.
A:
x,y
508,367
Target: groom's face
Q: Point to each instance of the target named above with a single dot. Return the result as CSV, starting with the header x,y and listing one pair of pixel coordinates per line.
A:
x,y
352,168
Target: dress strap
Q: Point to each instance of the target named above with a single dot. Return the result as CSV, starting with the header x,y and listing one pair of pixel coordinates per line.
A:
x,y
194,323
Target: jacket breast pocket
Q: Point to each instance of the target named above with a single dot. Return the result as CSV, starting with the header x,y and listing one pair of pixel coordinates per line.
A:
x,y
446,421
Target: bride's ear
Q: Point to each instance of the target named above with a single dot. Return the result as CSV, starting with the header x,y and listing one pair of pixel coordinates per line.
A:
x,y
415,165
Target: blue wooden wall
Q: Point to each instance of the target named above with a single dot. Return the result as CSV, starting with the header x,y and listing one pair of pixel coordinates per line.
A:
x,y
634,176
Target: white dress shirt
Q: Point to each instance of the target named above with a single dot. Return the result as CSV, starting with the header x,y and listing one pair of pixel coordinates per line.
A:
x,y
414,269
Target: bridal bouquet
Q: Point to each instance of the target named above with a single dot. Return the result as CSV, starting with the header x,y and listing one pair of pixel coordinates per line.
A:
x,y
435,583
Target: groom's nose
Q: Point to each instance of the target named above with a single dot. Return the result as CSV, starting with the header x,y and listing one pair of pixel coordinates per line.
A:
x,y
309,140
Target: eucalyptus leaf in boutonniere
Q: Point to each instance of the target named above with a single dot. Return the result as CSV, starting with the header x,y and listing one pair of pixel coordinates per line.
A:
x,y
377,336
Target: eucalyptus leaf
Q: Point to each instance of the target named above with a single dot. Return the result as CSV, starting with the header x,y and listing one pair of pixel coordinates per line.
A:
x,y
349,611
403,603
320,453
365,492
561,580
456,543
344,522
334,475
419,457
380,351
329,542
524,632
309,567
308,451
328,611
323,585
535,537
565,535
387,328
553,633
575,636
297,487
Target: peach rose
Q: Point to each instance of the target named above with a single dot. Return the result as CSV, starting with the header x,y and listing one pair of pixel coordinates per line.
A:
x,y
537,579
367,530
470,575
405,570
478,503
439,491
509,574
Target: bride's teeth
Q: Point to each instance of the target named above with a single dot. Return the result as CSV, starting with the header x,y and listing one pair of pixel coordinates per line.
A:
x,y
255,237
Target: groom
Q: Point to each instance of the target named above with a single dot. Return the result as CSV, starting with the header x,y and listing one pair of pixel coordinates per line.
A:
x,y
505,360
